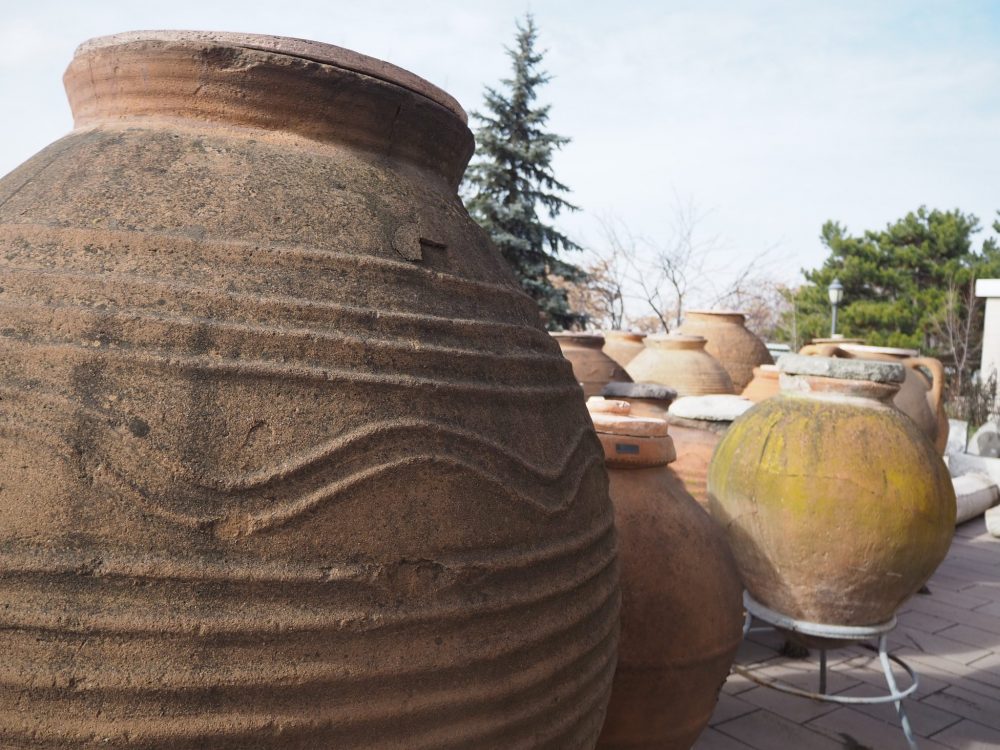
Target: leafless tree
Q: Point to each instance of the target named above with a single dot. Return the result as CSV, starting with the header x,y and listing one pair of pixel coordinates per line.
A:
x,y
959,329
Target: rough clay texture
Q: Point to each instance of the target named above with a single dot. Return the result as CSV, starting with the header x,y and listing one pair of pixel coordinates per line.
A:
x,y
837,508
287,461
592,368
623,346
681,605
680,362
729,341
843,369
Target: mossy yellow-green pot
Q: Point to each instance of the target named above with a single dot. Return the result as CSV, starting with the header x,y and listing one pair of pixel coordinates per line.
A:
x,y
835,504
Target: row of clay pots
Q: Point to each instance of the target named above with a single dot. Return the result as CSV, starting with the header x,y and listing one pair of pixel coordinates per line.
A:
x,y
712,352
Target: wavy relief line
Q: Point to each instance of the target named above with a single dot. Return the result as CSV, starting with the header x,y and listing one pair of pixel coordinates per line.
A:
x,y
284,304
305,468
284,335
294,467
265,369
268,252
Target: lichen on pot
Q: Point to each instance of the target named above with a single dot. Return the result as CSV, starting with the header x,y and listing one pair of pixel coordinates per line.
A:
x,y
835,504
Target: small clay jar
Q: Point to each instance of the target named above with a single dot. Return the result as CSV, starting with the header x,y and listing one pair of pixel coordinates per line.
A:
x,y
592,368
697,425
681,607
764,383
623,346
645,399
836,506
729,341
680,361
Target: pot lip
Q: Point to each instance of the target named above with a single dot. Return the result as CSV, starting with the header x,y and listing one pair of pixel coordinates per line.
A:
x,y
579,337
306,49
891,350
718,313
872,370
681,340
636,336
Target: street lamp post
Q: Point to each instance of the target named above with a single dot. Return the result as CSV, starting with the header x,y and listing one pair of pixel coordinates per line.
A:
x,y
836,292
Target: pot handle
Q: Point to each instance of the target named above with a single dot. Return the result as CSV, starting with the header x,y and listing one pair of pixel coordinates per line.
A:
x,y
936,369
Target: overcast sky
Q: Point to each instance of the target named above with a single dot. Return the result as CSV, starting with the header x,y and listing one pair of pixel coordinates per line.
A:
x,y
771,116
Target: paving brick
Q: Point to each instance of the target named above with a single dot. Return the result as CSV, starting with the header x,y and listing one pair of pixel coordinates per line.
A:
x,y
961,601
990,610
792,707
939,645
713,740
976,619
923,621
972,636
730,706
854,729
925,718
969,735
967,704
763,730
737,683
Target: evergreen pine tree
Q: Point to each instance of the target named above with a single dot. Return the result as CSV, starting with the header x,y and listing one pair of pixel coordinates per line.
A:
x,y
512,178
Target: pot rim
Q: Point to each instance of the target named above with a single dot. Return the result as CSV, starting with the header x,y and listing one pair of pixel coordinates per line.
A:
x,y
306,49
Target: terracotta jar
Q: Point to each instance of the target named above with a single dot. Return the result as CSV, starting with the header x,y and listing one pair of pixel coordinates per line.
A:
x,y
697,425
728,340
920,397
680,362
644,399
287,460
764,383
837,524
681,606
622,346
592,368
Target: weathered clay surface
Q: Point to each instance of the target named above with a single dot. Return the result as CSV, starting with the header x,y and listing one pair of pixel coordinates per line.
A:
x,y
729,341
286,459
681,606
623,346
679,361
836,506
592,368
644,399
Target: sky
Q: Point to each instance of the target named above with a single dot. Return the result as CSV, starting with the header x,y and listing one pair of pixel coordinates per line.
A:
x,y
769,116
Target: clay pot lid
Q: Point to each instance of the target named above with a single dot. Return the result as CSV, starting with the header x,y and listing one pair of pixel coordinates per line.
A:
x,y
624,335
612,417
841,368
675,341
593,340
890,350
639,390
721,407
326,54
767,370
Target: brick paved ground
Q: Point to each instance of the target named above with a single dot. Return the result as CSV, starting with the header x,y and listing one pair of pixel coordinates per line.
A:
x,y
951,637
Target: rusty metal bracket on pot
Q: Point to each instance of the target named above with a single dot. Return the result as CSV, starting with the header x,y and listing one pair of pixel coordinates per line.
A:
x,y
834,633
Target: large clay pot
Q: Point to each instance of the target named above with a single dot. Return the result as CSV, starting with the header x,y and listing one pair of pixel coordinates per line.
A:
x,y
680,362
623,346
836,506
920,397
764,383
728,340
681,607
697,423
592,368
287,460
